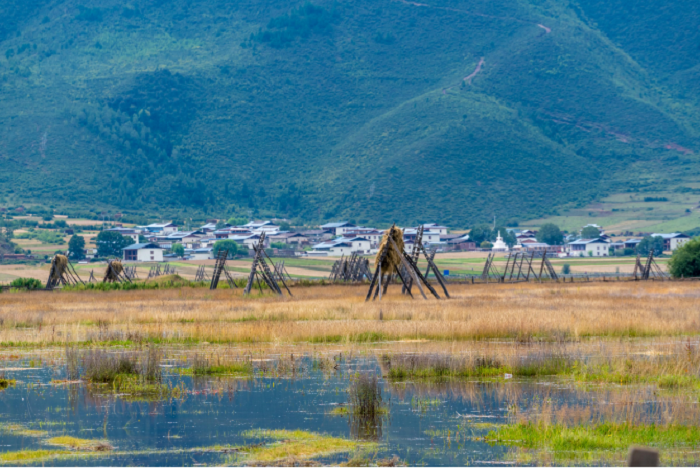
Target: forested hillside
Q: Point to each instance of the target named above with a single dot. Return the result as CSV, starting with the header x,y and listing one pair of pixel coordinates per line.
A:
x,y
389,110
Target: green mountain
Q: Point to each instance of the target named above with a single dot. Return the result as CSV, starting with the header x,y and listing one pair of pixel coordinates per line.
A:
x,y
402,110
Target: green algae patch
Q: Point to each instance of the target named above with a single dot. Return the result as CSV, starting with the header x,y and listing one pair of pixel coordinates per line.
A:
x,y
340,411
592,442
296,445
17,429
4,383
133,388
237,370
74,443
31,456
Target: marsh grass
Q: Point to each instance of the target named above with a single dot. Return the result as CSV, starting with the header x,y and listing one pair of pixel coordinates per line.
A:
x,y
102,366
526,313
136,376
427,366
72,362
365,407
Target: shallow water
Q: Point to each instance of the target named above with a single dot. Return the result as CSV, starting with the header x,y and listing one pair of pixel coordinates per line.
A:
x,y
437,424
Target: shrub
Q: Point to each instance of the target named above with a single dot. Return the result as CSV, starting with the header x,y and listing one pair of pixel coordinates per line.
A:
x,y
26,283
685,261
566,269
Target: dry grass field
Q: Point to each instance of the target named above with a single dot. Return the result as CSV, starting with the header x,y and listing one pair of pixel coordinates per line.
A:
x,y
338,314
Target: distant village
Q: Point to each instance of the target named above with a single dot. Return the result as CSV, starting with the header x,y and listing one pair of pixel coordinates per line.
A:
x,y
154,241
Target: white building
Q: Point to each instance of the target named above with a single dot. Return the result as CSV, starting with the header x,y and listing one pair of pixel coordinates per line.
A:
x,y
143,253
429,237
261,226
499,245
338,229
374,236
201,254
434,228
588,248
674,240
342,246
249,240
160,228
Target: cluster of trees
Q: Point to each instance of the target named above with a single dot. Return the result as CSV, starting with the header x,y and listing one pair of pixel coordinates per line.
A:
x,y
110,244
226,244
650,242
6,245
302,22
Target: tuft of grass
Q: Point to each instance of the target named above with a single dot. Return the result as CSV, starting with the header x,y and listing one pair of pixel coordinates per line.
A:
x,y
202,367
101,366
75,443
587,441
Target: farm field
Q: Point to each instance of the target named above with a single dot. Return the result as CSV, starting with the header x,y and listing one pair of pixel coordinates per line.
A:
x,y
504,373
628,212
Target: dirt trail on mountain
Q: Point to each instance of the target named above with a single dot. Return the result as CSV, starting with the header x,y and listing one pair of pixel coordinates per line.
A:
x,y
475,72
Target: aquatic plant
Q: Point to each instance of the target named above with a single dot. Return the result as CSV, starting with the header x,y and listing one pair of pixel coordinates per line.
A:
x,y
149,364
75,443
4,383
102,366
72,362
201,366
30,456
366,410
365,394
291,446
18,429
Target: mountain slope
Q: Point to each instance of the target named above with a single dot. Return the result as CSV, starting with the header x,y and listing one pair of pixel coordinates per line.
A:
x,y
396,110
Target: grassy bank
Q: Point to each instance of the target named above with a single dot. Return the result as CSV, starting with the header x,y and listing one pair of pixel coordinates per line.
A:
x,y
591,442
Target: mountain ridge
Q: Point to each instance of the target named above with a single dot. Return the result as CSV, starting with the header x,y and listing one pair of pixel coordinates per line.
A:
x,y
356,110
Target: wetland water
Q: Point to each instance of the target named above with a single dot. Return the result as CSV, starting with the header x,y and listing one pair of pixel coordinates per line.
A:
x,y
426,424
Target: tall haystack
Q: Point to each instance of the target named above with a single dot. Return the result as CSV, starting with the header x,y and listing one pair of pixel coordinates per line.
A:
x,y
391,260
113,272
59,265
62,273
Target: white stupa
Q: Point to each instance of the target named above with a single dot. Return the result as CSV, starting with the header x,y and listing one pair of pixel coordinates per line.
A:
x,y
499,245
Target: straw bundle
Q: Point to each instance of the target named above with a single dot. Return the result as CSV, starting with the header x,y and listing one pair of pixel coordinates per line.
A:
x,y
58,267
114,269
392,259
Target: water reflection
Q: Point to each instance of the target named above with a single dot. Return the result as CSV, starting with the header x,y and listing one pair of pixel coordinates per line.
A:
x,y
432,423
